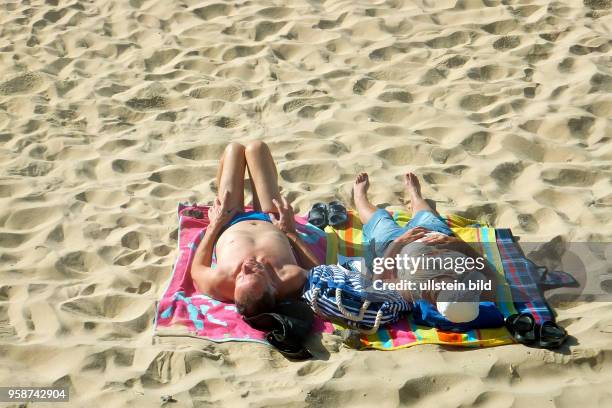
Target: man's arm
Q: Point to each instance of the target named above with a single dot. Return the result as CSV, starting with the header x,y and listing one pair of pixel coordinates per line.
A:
x,y
285,222
201,272
307,258
218,216
395,248
203,255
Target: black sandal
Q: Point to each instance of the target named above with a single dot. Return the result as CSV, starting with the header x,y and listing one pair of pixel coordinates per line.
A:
x,y
522,327
551,335
337,214
317,215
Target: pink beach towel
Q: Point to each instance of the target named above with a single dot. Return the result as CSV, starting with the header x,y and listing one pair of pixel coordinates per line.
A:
x,y
182,311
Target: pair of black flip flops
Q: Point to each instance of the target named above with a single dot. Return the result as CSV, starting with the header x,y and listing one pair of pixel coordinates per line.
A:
x,y
322,215
525,330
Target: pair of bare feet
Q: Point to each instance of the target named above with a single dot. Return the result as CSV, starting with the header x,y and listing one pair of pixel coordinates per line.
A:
x,y
366,209
413,187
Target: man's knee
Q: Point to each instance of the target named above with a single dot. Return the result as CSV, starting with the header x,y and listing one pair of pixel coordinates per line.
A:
x,y
256,147
235,148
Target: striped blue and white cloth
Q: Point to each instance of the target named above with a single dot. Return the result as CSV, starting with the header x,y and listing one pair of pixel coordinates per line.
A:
x,y
339,294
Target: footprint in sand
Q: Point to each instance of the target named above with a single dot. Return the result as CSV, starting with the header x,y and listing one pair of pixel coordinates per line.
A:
x,y
507,42
225,122
475,142
504,174
449,41
395,96
205,152
131,240
476,102
310,173
12,240
265,29
581,127
601,83
153,103
160,58
500,27
487,73
225,93
212,11
568,177
21,84
240,51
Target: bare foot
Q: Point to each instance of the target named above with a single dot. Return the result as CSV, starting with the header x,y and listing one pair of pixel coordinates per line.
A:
x,y
362,184
412,184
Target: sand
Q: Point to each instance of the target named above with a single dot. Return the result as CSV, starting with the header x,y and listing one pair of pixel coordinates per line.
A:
x,y
111,112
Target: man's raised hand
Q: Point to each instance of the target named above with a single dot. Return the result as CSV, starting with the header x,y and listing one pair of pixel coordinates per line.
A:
x,y
219,213
412,235
449,242
284,220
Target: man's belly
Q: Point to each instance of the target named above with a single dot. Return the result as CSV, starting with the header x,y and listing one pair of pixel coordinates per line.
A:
x,y
258,239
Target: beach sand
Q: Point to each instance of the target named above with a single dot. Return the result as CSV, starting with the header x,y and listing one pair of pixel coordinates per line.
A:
x,y
111,112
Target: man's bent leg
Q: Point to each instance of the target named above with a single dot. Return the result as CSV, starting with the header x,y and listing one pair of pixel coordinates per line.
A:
x,y
264,176
230,176
379,231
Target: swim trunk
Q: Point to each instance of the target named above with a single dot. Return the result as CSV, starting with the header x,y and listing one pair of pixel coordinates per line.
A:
x,y
382,229
248,216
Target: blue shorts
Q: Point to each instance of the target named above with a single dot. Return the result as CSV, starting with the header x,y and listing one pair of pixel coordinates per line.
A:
x,y
248,216
381,230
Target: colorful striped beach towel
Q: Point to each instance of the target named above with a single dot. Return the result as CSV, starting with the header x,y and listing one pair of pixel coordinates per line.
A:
x,y
348,241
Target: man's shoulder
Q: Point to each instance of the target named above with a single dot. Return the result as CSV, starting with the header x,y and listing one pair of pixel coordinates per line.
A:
x,y
209,275
209,282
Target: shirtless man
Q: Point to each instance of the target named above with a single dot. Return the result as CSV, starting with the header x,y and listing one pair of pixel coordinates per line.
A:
x,y
258,253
